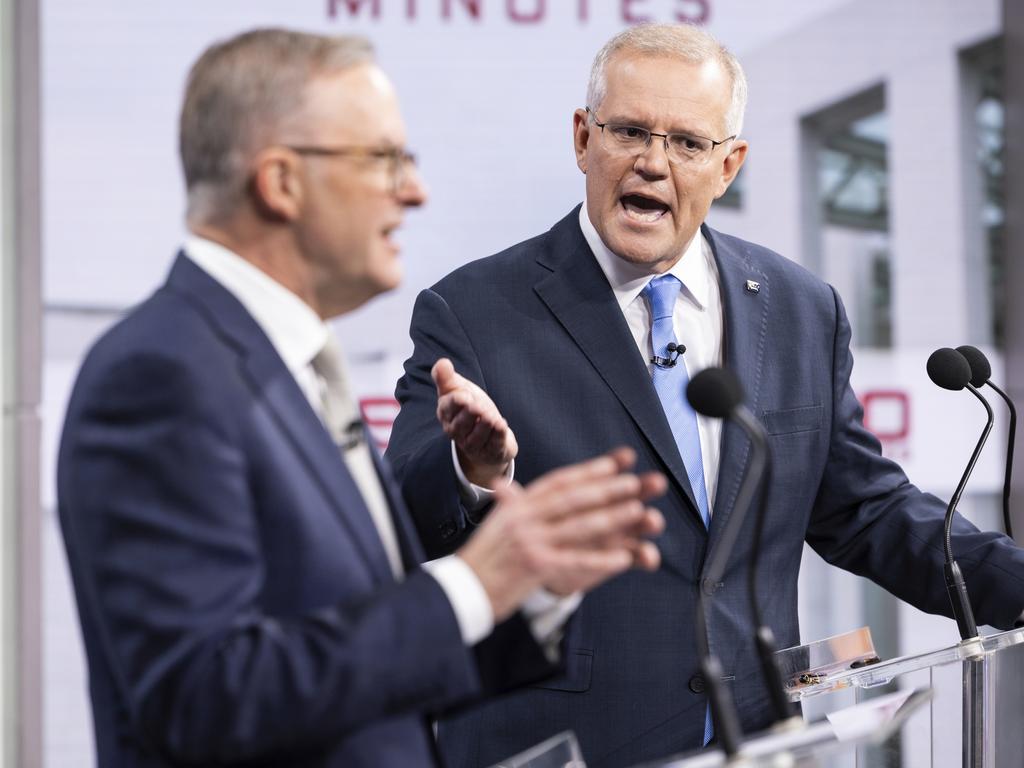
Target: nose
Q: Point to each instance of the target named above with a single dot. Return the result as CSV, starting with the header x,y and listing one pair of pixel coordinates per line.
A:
x,y
412,191
653,163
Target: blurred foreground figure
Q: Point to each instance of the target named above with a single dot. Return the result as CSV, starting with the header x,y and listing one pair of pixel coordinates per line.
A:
x,y
247,576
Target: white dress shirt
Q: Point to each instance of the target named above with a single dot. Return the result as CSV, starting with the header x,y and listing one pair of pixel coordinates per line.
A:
x,y
297,335
697,321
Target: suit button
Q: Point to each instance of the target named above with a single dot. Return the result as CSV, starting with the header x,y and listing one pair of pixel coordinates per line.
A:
x,y
710,587
697,684
447,529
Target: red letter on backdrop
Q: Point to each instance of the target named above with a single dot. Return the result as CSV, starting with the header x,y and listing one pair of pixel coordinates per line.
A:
x,y
473,6
532,18
353,7
627,13
410,9
696,15
583,10
895,404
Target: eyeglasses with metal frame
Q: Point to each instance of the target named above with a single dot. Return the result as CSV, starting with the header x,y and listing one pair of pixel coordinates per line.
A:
x,y
399,159
681,148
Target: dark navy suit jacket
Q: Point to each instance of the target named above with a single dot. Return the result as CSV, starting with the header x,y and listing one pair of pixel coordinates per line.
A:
x,y
538,327
236,601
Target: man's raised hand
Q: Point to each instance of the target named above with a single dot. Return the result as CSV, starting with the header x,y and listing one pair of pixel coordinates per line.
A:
x,y
483,440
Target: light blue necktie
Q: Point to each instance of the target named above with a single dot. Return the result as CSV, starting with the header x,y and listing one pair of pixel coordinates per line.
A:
x,y
670,383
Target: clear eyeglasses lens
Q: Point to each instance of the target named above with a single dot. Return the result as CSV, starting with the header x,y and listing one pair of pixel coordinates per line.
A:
x,y
681,147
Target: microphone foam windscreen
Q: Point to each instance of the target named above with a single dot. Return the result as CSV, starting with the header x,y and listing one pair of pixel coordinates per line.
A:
x,y
981,369
714,392
949,369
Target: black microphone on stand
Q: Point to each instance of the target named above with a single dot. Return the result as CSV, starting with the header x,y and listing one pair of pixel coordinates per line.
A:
x,y
950,370
717,393
981,371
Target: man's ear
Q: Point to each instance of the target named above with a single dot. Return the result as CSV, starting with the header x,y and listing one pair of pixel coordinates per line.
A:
x,y
277,184
581,136
731,165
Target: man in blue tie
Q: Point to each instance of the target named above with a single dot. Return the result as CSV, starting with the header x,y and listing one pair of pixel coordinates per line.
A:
x,y
584,337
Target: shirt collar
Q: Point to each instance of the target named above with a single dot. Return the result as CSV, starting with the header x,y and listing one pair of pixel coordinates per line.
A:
x,y
296,332
693,268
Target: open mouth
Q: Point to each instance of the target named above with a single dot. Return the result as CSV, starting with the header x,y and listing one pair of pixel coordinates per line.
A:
x,y
642,208
388,232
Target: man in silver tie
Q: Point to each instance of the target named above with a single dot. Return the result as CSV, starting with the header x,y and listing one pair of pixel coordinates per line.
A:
x,y
247,577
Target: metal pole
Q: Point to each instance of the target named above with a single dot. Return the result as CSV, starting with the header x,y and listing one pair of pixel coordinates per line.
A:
x,y
976,752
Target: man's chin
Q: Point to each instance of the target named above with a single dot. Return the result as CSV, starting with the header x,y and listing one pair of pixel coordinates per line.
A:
x,y
390,279
360,292
653,257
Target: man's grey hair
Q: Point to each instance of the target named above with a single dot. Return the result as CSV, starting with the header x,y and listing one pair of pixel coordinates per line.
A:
x,y
688,42
238,94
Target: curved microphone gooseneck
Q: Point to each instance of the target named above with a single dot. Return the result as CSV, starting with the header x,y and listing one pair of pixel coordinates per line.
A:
x,y
981,372
950,370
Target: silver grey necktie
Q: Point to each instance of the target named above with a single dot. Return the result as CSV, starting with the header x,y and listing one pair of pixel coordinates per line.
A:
x,y
341,417
340,412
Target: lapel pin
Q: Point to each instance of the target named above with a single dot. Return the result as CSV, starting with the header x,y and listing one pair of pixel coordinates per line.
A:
x,y
753,286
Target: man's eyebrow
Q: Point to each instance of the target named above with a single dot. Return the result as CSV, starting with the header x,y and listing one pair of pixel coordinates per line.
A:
x,y
646,125
624,120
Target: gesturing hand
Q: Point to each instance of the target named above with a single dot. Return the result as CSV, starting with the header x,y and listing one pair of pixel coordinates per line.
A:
x,y
568,531
483,439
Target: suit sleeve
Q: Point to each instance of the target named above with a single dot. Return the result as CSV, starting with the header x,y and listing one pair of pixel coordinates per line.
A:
x,y
164,539
869,519
419,450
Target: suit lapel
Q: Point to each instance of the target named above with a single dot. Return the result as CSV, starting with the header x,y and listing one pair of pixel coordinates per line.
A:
x,y
578,295
408,539
746,322
274,385
310,439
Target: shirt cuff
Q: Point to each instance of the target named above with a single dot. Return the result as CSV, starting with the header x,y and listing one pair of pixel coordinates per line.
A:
x,y
547,614
467,596
475,497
